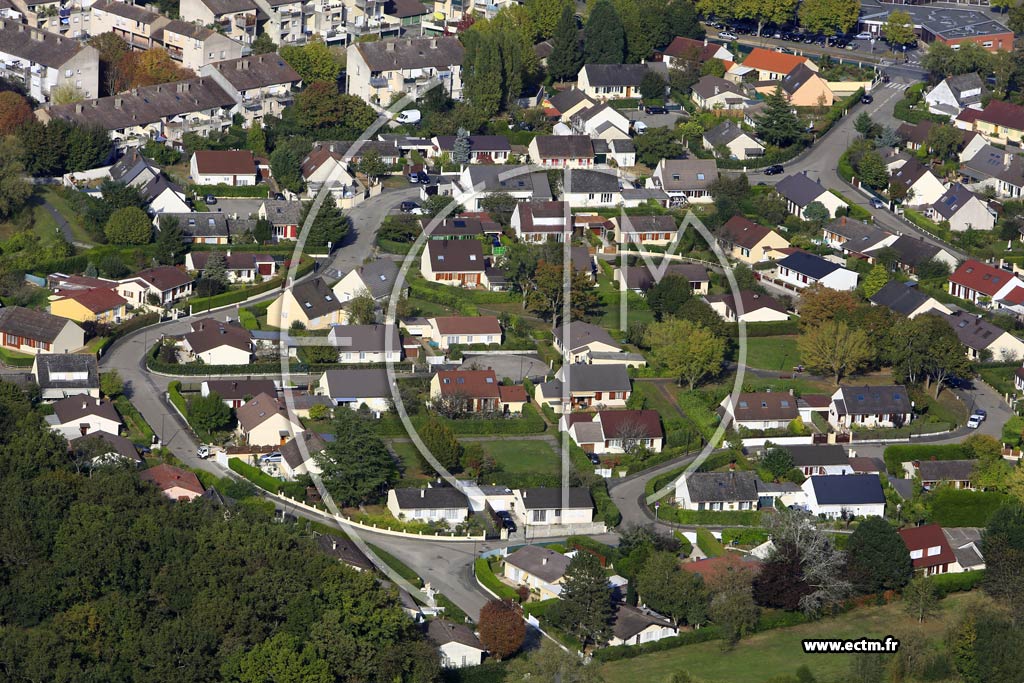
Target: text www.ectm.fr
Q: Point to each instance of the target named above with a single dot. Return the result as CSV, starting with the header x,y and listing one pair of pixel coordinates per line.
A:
x,y
838,645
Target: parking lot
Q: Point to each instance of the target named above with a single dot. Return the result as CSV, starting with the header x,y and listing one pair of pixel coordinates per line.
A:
x,y
792,40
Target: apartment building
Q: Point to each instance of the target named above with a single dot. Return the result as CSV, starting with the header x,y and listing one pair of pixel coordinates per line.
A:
x,y
195,46
135,25
378,70
44,61
235,18
261,84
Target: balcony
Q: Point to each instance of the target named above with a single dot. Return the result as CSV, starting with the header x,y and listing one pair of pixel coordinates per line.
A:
x,y
245,21
378,82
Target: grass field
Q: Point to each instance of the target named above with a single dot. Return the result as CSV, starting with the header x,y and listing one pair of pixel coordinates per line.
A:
x,y
410,456
772,353
534,457
654,399
775,653
1001,379
70,215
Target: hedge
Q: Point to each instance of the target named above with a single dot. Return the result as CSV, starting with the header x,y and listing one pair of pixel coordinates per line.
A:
x,y
708,543
174,391
896,455
222,190
960,507
744,536
131,325
255,475
540,608
397,565
715,517
701,635
685,547
482,569
957,583
530,423
236,296
606,507
491,671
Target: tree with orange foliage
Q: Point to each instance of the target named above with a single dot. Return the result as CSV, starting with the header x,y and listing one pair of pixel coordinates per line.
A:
x,y
502,629
14,112
150,67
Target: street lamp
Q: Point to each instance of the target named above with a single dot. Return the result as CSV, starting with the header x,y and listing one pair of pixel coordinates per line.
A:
x,y
657,507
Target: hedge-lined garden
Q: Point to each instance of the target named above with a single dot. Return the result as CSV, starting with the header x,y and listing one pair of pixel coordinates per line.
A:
x,y
898,454
530,423
485,574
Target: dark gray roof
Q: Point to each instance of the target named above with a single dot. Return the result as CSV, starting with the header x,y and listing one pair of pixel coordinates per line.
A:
x,y
904,487
643,224
359,383
709,86
959,84
505,178
581,334
51,363
859,235
127,10
799,189
544,563
551,498
913,251
966,544
239,389
442,632
565,100
344,551
946,470
724,133
972,330
435,498
118,444
910,172
283,212
32,324
849,489
459,256
130,166
585,180
229,6
316,297
206,224
379,276
808,456
707,487
416,53
872,400
955,198
36,45
477,143
256,71
564,146
640,278
808,264
184,28
629,621
586,378
688,174
293,455
364,337
797,78
76,408
902,297
599,75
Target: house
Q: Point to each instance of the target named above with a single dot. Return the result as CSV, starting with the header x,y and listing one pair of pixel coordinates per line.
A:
x,y
728,140
562,151
966,545
566,103
592,189
749,307
378,70
929,550
682,51
983,339
194,46
578,341
60,375
235,392
760,410
590,386
803,87
239,266
483,149
583,261
717,491
999,122
799,191
218,343
631,231
309,303
954,94
264,83
175,483
636,626
982,284
456,263
801,270
856,238
640,278
378,277
837,496
540,569
344,550
448,331
356,388
957,474
77,416
107,449
749,242
473,391
962,209
297,456
990,168
235,18
440,504
541,221
870,406
601,123
818,460
366,343
328,164
554,506
775,66
265,421
712,93
923,187
46,61
476,183
906,299
135,25
161,196
223,167
284,216
615,431
623,154
456,643
688,180
34,332
604,82
912,252
91,305
201,227
158,286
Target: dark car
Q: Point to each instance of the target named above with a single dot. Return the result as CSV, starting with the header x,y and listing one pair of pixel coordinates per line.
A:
x,y
655,109
867,99
774,169
594,460
408,207
506,521
278,196
424,178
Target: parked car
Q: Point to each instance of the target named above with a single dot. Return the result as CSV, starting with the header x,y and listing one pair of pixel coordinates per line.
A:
x,y
408,207
877,203
506,521
784,50
594,459
414,177
774,169
981,414
424,179
278,196
726,35
409,116
655,109
203,453
973,422
639,127
863,35
209,200
867,99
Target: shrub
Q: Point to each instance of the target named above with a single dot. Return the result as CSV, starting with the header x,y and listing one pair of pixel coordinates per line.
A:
x,y
716,517
255,475
261,191
744,536
953,507
606,508
484,574
896,455
957,583
708,543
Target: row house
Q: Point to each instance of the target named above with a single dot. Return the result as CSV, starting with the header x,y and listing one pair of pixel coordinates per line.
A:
x,y
562,151
236,19
378,70
262,85
69,19
136,25
44,61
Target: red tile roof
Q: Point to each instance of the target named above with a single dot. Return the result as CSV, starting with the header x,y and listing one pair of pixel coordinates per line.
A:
x,y
1016,296
744,232
166,477
614,421
927,537
1004,114
769,60
681,47
980,277
469,383
512,393
225,162
457,324
714,567
97,300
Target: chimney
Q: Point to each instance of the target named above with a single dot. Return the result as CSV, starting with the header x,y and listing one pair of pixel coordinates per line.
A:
x,y
433,43
716,90
423,493
135,92
544,561
21,28
389,46
117,102
844,220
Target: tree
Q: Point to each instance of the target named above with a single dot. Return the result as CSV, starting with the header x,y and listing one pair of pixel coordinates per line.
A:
x,y
836,348
668,295
129,225
652,87
330,226
256,140
585,608
462,148
356,465
545,16
820,304
362,309
816,214
216,268
667,589
920,598
877,558
263,231
657,144
441,442
502,628
313,61
320,105
566,57
286,162
1002,545
943,141
547,295
208,414
686,350
829,16
482,77
864,125
170,242
149,67
877,278
112,49
372,166
14,189
15,111
111,384
500,206
898,29
778,125
551,663
263,45
872,170
732,605
777,461
605,38
283,659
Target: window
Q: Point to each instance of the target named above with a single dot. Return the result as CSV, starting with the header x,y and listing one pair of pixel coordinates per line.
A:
x,y
606,197
916,554
10,340
539,516
68,73
934,550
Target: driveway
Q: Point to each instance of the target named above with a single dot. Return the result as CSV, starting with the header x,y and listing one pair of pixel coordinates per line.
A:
x,y
515,367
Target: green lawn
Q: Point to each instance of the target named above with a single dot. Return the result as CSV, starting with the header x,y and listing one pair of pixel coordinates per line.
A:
x,y
429,308
16,358
776,653
529,457
654,399
772,353
1001,379
70,215
412,464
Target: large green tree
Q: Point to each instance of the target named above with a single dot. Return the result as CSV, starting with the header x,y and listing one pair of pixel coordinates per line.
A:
x,y
356,466
330,225
668,295
585,607
208,413
687,351
14,189
129,225
829,16
835,348
898,28
313,61
778,125
667,589
547,295
1002,545
605,41
877,558
566,57
170,245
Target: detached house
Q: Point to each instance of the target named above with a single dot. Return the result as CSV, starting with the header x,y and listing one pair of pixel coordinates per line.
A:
x,y
29,331
601,123
923,188
749,307
592,189
615,81
962,209
760,410
799,191
843,496
235,393
689,180
820,459
636,626
632,231
954,94
870,406
60,375
775,66
476,183
378,70
615,431
803,87
475,391
749,242
456,643
682,51
265,421
641,277
540,569
577,342
311,303
77,416
377,277
366,343
564,104
562,151
87,305
734,142
982,284
929,550
239,266
801,270
356,388
434,504
983,339
223,167
328,164
162,284
449,331
541,221
219,343
456,263
717,491
958,474
1000,122
554,506
857,238
912,252
589,386
177,484
483,149
712,93
906,299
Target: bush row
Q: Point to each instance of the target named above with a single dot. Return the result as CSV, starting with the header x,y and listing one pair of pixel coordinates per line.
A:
x,y
957,583
606,508
707,542
776,328
530,423
482,569
716,517
236,296
898,454
744,536
222,190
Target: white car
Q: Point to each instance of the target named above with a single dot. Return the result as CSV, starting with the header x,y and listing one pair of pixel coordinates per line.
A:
x,y
203,453
409,116
974,421
725,35
863,36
